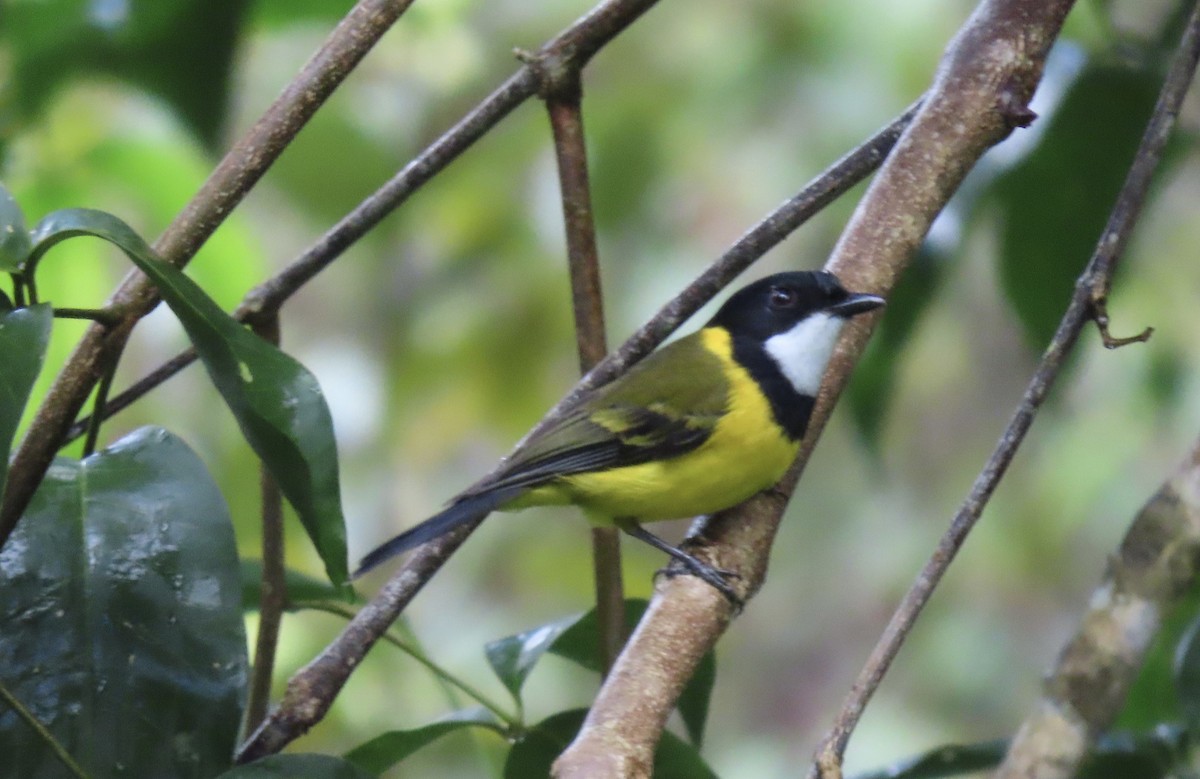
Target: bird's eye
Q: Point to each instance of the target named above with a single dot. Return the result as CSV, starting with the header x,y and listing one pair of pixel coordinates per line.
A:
x,y
782,297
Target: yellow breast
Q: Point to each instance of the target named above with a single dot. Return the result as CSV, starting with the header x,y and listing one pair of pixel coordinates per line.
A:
x,y
746,453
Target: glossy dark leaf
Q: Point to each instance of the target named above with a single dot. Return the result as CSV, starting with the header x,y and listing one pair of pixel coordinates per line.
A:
x,y
298,767
1055,202
532,756
182,51
24,335
576,639
14,237
677,759
301,588
276,401
384,751
120,621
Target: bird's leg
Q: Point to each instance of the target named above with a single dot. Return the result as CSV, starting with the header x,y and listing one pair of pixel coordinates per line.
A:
x,y
716,577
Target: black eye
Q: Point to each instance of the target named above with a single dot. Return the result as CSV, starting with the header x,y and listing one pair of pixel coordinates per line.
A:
x,y
782,297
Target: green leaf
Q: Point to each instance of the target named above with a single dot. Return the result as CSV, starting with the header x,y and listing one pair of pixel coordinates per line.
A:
x,y
120,620
384,751
298,767
954,760
276,401
576,638
1055,202
24,336
181,51
513,657
301,588
677,759
14,238
532,756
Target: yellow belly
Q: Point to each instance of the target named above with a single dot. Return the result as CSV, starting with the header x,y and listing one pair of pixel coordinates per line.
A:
x,y
746,453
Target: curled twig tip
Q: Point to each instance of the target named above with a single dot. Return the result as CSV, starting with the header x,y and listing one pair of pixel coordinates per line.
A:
x,y
1100,317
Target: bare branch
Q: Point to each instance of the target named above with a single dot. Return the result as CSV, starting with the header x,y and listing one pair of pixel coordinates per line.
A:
x,y
272,600
982,88
562,92
236,174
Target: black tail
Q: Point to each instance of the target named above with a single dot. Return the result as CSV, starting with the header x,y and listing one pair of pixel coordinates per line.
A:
x,y
460,512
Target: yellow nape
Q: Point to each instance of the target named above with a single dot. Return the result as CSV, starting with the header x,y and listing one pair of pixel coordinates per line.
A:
x,y
746,453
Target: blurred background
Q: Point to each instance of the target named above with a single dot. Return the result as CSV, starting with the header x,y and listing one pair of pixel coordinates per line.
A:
x,y
446,333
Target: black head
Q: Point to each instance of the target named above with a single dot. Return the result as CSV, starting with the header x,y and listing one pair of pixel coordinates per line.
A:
x,y
776,303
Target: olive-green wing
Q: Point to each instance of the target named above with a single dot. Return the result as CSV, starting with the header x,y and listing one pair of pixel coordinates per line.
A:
x,y
665,406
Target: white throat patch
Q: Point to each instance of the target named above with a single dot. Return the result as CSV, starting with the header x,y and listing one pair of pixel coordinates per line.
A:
x,y
803,352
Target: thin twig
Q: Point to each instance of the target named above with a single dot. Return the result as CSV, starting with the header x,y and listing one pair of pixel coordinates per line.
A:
x,y
103,316
1091,287
102,390
225,187
511,720
272,599
563,93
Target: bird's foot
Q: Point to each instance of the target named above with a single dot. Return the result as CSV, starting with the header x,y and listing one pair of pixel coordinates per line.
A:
x,y
717,578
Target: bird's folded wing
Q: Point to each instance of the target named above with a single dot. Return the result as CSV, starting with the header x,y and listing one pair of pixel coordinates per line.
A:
x,y
652,413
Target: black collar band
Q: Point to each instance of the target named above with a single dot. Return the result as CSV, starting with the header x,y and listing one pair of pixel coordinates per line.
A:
x,y
790,408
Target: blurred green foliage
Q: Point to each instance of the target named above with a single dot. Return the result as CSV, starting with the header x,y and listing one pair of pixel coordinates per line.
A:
x,y
442,336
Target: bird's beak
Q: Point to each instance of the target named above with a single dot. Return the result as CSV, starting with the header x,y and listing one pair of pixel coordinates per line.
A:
x,y
856,303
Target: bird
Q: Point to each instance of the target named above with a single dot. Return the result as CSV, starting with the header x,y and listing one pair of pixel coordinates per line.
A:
x,y
697,426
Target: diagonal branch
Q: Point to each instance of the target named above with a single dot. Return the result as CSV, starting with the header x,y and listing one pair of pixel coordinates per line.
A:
x,y
225,187
981,91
